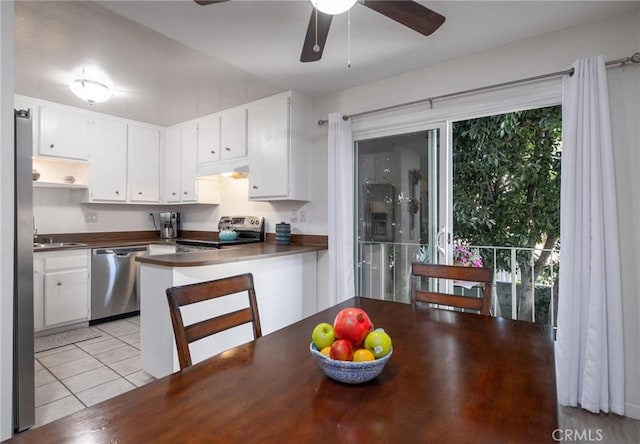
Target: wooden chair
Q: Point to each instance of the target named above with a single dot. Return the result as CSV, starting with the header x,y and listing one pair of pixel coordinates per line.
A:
x,y
481,276
193,293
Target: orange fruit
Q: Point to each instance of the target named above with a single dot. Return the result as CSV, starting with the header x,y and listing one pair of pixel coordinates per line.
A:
x,y
362,355
325,351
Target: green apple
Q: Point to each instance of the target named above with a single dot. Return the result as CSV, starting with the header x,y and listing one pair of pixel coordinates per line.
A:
x,y
323,335
379,342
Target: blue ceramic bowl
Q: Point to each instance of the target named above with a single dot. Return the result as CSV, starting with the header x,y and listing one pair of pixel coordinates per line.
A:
x,y
347,371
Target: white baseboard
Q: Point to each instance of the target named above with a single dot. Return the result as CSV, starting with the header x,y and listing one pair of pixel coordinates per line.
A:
x,y
632,410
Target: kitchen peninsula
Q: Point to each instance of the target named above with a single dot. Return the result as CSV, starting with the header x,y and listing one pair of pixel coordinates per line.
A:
x,y
285,278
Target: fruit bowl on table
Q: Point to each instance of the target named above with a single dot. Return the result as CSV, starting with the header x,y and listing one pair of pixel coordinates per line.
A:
x,y
349,372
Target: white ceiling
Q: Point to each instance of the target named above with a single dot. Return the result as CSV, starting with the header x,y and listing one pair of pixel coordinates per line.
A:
x,y
171,61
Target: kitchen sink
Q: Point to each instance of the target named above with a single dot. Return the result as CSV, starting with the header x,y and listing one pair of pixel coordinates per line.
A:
x,y
42,246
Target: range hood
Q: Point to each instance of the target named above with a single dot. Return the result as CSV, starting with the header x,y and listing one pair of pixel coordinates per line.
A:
x,y
235,167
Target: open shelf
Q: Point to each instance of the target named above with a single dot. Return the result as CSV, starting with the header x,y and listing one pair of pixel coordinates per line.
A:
x,y
77,186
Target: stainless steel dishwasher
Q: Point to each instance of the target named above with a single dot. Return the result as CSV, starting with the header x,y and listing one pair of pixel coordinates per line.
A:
x,y
114,281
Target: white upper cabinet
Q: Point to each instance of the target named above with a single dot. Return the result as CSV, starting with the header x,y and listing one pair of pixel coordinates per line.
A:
x,y
172,152
188,163
180,161
144,164
63,133
233,133
209,139
279,148
108,161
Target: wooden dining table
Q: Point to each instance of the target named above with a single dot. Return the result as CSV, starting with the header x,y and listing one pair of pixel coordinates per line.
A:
x,y
453,378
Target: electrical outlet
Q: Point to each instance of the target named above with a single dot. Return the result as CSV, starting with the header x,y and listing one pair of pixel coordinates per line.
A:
x,y
91,216
151,216
294,217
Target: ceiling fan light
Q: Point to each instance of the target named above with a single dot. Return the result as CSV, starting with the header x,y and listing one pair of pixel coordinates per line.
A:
x,y
333,7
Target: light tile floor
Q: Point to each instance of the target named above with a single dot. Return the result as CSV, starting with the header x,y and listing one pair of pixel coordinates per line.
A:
x,y
79,375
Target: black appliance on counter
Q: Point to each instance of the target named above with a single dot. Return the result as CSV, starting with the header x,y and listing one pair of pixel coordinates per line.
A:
x,y
249,229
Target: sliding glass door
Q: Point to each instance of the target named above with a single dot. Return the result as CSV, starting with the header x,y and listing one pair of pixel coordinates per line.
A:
x,y
403,192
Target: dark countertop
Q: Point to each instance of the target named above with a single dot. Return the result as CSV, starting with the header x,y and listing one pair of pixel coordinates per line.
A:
x,y
236,253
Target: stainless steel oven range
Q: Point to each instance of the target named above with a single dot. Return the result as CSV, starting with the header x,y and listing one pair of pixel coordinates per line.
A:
x,y
249,229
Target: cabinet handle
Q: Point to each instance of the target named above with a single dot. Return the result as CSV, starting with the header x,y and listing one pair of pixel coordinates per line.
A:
x,y
186,192
117,192
255,187
51,146
59,284
213,152
173,194
139,193
228,149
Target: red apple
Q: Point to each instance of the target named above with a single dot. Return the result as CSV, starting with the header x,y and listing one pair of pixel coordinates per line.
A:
x,y
352,324
341,350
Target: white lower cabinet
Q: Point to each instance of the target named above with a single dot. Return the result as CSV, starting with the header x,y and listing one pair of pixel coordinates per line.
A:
x,y
61,288
155,249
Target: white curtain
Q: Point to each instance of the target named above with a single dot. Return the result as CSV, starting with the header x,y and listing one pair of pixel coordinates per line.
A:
x,y
589,348
340,208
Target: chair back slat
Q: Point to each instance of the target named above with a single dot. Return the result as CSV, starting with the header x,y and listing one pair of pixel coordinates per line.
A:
x,y
480,276
203,291
208,327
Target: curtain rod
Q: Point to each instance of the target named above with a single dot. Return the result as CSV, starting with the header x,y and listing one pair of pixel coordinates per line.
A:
x,y
635,58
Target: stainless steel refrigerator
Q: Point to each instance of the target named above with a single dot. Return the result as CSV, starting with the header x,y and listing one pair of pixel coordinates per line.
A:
x,y
23,355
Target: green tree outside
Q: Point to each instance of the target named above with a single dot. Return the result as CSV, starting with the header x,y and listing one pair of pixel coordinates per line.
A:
x,y
506,188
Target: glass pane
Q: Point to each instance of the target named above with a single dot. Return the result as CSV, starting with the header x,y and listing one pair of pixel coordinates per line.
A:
x,y
396,211
506,205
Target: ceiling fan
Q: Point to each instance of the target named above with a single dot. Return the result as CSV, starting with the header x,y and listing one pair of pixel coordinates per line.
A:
x,y
406,12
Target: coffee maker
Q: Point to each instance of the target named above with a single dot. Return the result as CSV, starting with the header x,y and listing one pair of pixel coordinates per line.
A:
x,y
169,225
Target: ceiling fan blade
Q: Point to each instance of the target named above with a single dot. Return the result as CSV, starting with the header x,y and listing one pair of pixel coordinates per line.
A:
x,y
409,13
324,22
209,2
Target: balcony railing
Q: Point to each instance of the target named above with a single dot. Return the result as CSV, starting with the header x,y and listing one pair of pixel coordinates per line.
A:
x,y
383,270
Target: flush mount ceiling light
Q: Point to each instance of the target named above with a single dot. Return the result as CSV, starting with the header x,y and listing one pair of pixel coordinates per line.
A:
x,y
91,85
333,7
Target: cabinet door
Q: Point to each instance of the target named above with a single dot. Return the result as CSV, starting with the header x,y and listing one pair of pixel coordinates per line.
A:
x,y
63,133
65,296
155,249
269,160
189,163
233,134
209,139
172,150
38,293
108,161
144,164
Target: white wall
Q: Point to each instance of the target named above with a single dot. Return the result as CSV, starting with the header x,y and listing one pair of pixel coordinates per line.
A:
x,y
615,37
6,219
59,210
